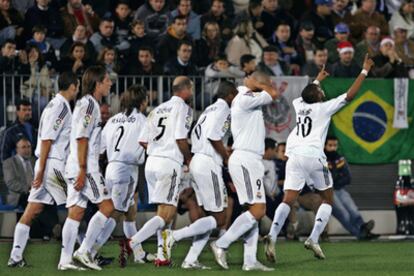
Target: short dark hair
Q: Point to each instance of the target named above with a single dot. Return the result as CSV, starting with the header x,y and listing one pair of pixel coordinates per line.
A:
x,y
66,79
254,4
123,2
11,41
39,29
184,42
106,19
319,49
137,22
146,48
22,101
270,143
220,57
23,139
183,84
91,77
246,59
179,17
133,98
331,137
281,144
270,48
310,93
225,88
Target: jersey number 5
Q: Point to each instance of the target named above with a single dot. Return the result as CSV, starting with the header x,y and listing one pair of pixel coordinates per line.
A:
x,y
162,126
304,127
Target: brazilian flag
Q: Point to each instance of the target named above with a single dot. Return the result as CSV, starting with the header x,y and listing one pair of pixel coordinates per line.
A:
x,y
364,126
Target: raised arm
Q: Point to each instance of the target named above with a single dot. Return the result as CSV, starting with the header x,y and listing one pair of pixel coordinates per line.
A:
x,y
353,90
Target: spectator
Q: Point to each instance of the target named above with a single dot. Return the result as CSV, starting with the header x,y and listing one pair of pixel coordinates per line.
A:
x,y
11,60
320,58
105,113
108,58
247,65
217,14
341,35
253,14
240,5
370,45
341,12
181,64
138,38
21,128
388,64
106,37
42,14
322,20
270,177
168,44
154,13
217,70
281,39
22,5
367,16
404,18
209,45
79,36
11,22
145,65
271,64
47,50
272,16
122,20
345,67
193,19
18,173
403,46
76,61
245,41
344,208
305,44
74,14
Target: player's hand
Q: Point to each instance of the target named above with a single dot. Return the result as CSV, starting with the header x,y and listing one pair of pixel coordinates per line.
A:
x,y
322,74
80,181
38,180
368,63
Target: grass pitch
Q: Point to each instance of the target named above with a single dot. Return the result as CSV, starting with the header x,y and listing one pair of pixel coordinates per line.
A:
x,y
343,258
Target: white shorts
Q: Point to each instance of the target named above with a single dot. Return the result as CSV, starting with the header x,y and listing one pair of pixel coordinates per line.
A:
x,y
247,172
301,170
163,177
94,190
54,188
121,181
208,183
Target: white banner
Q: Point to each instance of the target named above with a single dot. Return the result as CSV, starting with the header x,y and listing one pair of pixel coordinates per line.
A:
x,y
280,117
400,103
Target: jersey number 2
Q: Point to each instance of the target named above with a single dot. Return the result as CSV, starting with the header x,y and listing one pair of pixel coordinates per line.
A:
x,y
121,133
305,127
162,126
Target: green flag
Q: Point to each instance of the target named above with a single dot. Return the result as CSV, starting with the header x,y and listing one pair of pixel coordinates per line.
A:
x,y
364,126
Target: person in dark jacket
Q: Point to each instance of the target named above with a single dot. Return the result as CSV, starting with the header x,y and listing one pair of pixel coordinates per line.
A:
x,y
218,14
322,20
344,208
79,36
209,46
138,38
181,64
270,63
320,58
154,13
272,16
346,66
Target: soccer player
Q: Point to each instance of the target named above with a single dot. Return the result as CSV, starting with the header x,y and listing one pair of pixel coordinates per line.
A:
x,y
125,154
307,160
48,186
85,182
206,169
246,168
165,137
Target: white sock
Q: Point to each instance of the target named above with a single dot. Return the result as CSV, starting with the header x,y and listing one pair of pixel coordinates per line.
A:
x,y
160,252
69,234
198,227
95,227
103,237
241,225
199,242
282,212
130,229
250,245
21,236
321,219
222,232
149,229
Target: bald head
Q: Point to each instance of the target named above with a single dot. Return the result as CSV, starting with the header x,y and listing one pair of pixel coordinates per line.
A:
x,y
183,87
262,78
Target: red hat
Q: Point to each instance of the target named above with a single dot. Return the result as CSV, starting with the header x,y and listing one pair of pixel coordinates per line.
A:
x,y
345,46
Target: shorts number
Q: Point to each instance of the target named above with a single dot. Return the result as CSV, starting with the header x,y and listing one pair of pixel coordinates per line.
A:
x,y
197,129
304,127
121,133
162,126
259,184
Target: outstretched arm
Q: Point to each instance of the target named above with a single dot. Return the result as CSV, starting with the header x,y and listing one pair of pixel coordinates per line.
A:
x,y
353,90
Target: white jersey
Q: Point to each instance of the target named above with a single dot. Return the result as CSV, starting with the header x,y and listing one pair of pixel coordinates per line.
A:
x,y
247,123
86,123
312,123
120,138
212,124
167,123
55,125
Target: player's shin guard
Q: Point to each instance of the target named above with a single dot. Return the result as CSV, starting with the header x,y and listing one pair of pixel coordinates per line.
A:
x,y
103,237
95,227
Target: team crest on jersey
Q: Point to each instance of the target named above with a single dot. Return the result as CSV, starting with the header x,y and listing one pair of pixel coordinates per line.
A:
x,y
259,195
188,120
105,191
86,120
57,124
226,125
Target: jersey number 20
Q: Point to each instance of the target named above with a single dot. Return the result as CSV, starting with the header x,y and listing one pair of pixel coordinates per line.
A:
x,y
304,127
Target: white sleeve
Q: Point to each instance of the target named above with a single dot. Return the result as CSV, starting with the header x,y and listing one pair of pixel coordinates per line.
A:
x,y
143,136
220,127
251,100
53,123
332,106
84,126
184,120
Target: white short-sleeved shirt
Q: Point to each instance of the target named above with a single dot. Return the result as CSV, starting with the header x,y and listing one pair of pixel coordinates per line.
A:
x,y
120,138
167,123
270,177
247,123
213,124
312,123
55,125
86,123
